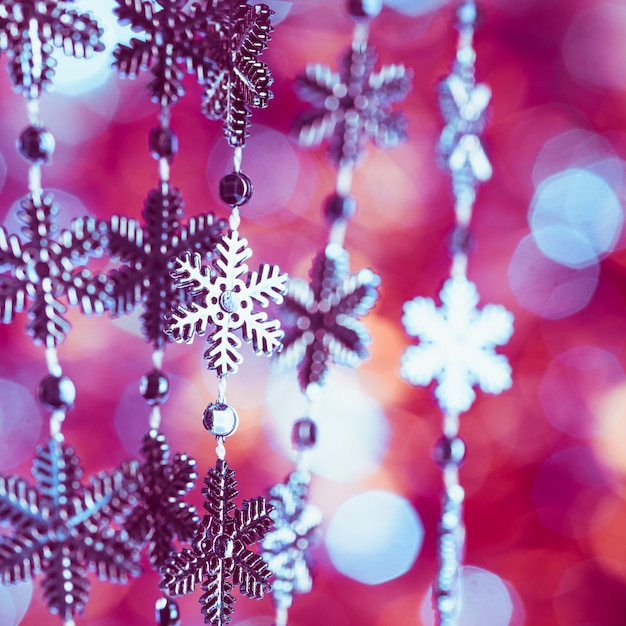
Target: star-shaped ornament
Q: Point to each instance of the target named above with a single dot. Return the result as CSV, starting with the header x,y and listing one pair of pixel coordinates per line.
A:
x,y
457,344
322,317
225,296
61,528
353,105
219,557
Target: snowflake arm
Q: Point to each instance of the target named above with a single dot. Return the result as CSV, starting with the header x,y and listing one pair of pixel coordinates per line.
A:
x,y
456,345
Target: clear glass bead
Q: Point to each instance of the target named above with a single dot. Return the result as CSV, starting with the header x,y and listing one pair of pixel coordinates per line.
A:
x,y
236,189
36,144
339,207
163,143
220,419
166,612
56,393
304,434
154,387
364,9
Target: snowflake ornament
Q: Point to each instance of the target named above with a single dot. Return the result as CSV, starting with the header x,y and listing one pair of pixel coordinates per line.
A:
x,y
160,516
219,557
322,317
285,549
464,106
457,345
42,269
237,36
228,303
148,251
174,42
353,105
61,528
29,29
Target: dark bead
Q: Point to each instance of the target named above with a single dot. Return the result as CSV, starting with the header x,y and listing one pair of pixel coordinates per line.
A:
x,y
339,207
304,434
163,143
154,387
461,240
36,144
220,419
166,612
449,451
236,189
364,9
57,393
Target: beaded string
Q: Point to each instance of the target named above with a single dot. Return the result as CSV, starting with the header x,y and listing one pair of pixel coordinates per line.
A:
x,y
322,317
457,340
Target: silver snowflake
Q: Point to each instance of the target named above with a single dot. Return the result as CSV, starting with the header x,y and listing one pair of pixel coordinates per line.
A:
x,y
229,303
285,549
457,345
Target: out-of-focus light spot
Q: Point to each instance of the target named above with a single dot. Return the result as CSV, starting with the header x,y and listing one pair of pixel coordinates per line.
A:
x,y
281,10
78,76
70,207
14,602
577,148
573,385
374,537
269,156
353,433
415,7
594,48
575,217
20,425
485,599
611,431
573,494
547,288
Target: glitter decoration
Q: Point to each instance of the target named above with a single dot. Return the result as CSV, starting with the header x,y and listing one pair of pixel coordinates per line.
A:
x,y
184,30
148,251
285,549
353,105
237,80
457,344
219,556
228,303
29,30
161,515
322,317
61,528
42,269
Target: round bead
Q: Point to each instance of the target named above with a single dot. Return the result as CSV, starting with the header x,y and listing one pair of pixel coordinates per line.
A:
x,y
449,451
36,144
339,207
364,9
236,189
166,612
461,240
154,387
163,143
220,419
223,546
57,393
304,434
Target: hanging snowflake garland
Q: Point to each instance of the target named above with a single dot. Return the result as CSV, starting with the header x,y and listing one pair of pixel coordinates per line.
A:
x,y
219,557
322,318
61,528
353,105
285,549
457,345
228,303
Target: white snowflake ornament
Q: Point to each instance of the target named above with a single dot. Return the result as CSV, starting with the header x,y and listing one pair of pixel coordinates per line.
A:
x,y
224,298
457,344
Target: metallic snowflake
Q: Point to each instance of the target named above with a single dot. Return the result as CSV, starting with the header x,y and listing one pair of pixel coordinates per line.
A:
x,y
464,106
219,553
321,318
227,303
61,528
161,515
42,270
28,31
174,42
237,36
353,105
148,250
285,549
457,345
